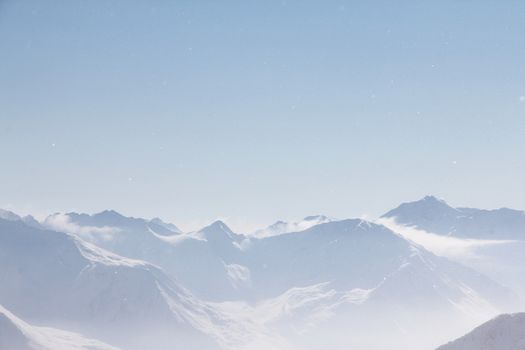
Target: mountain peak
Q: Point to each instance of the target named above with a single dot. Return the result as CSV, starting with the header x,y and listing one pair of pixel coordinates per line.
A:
x,y
167,225
109,213
432,202
110,218
428,205
217,225
316,218
218,231
9,215
431,199
428,200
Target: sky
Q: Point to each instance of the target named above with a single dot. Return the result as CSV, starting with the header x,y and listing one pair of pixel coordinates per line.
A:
x,y
254,111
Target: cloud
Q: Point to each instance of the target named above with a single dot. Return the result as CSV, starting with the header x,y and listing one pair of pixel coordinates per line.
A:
x,y
62,223
281,227
450,247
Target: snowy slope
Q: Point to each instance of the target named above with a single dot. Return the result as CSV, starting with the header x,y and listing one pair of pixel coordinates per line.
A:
x,y
199,260
55,278
16,334
490,241
505,332
338,283
377,281
319,316
348,253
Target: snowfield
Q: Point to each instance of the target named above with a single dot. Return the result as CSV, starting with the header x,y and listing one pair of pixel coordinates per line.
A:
x,y
16,334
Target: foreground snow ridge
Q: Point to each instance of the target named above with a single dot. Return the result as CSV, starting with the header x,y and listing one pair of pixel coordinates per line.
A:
x,y
505,332
16,334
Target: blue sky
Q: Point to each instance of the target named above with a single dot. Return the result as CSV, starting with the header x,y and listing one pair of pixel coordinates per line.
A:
x,y
254,111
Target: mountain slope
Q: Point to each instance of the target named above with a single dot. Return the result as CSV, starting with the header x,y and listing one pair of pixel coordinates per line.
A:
x,y
489,241
55,278
348,253
378,282
17,334
503,332
199,260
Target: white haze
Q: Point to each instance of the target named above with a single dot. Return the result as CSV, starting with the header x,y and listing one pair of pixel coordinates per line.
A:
x,y
62,223
450,247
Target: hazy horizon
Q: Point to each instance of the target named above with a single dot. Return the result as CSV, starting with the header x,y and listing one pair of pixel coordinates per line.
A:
x,y
246,227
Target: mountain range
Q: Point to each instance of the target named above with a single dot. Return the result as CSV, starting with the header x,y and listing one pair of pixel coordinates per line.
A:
x,y
138,283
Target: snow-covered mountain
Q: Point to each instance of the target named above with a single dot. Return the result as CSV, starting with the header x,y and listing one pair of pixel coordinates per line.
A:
x,y
490,241
349,253
340,281
398,308
206,262
436,216
218,264
373,274
16,334
54,278
167,225
10,216
280,227
108,224
199,260
505,332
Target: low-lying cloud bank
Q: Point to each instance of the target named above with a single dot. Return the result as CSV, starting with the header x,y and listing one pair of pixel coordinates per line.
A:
x,y
62,223
450,247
